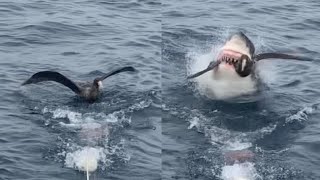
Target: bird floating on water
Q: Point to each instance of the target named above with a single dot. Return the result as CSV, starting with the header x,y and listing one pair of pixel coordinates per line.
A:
x,y
89,91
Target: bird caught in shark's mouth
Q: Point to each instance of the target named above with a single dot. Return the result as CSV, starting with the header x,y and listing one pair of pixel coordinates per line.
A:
x,y
233,73
89,91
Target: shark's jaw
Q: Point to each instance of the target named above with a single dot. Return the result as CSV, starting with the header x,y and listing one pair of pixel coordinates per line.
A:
x,y
232,78
235,56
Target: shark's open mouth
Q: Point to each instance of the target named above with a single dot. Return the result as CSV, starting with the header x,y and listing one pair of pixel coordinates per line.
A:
x,y
230,57
241,63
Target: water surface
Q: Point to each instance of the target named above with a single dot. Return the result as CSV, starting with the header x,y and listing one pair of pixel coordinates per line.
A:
x,y
280,127
46,131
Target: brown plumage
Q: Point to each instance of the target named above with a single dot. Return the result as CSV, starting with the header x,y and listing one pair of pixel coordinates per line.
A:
x,y
89,91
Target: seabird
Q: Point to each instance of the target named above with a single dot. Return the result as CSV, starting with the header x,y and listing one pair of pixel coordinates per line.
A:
x,y
89,91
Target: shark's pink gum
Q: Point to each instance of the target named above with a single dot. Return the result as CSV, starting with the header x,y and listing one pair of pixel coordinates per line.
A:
x,y
229,53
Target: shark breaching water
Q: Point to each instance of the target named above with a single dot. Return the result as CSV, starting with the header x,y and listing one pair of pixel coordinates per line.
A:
x,y
233,73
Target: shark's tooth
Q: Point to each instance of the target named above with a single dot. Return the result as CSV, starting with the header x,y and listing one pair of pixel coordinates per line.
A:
x,y
243,65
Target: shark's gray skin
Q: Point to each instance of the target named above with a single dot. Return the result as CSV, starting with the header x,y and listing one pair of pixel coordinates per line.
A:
x,y
235,67
245,58
89,91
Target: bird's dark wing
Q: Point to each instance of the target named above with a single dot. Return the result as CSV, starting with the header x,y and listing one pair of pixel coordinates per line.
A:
x,y
52,76
279,56
212,65
123,69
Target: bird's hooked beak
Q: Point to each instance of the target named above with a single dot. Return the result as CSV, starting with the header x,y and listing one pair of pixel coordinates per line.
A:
x,y
100,85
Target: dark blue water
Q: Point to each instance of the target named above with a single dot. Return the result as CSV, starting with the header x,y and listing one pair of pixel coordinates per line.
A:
x,y
153,123
46,131
281,128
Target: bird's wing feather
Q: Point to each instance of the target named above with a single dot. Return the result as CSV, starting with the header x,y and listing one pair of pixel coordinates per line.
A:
x,y
212,65
52,76
119,70
280,56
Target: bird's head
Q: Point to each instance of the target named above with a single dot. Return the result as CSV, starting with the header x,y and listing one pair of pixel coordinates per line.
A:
x,y
98,84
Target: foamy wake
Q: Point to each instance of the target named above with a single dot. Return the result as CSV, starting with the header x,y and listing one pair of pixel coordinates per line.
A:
x,y
77,118
237,141
301,116
230,141
243,171
92,128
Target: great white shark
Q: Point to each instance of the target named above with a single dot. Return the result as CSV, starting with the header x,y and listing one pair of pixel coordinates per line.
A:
x,y
233,73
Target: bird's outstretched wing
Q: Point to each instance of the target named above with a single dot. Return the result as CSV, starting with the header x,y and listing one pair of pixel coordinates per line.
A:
x,y
212,65
119,70
52,76
280,56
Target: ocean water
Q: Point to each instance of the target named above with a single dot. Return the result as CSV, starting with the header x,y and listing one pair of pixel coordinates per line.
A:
x,y
49,133
281,128
153,123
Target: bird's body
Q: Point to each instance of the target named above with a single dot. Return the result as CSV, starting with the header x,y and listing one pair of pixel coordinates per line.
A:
x,y
89,91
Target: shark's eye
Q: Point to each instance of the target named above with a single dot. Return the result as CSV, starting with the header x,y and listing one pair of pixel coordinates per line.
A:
x,y
244,66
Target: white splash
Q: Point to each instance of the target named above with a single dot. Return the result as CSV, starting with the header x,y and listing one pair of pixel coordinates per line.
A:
x,y
85,159
194,122
243,171
237,144
76,118
233,140
300,116
228,140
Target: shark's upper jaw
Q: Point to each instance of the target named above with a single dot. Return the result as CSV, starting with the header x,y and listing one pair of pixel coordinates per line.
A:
x,y
229,60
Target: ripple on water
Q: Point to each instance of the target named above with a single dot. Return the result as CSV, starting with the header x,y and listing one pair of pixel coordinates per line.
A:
x,y
225,140
96,134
